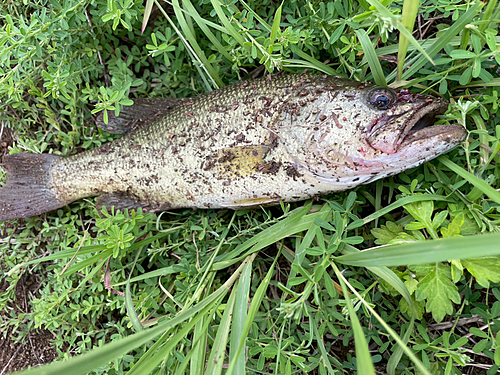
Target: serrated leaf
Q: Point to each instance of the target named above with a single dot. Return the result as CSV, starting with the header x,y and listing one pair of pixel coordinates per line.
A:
x,y
439,292
484,270
421,211
386,232
415,226
411,283
454,227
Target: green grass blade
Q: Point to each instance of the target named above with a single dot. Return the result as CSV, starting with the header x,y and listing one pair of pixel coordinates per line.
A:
x,y
129,303
393,334
216,359
295,223
371,58
189,310
495,82
477,182
200,335
324,353
268,235
409,14
363,358
389,50
257,299
147,13
444,39
156,273
68,253
147,367
305,243
190,38
488,12
256,16
227,24
239,318
83,364
392,279
398,25
422,252
387,274
87,262
203,26
315,64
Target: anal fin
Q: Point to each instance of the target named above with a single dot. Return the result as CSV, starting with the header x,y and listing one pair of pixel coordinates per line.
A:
x,y
251,203
121,201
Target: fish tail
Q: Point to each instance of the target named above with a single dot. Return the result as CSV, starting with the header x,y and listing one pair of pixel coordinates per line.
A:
x,y
28,191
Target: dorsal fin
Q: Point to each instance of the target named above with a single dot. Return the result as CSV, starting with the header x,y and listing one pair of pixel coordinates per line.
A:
x,y
141,113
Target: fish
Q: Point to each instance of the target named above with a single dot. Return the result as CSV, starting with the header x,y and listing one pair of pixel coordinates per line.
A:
x,y
286,138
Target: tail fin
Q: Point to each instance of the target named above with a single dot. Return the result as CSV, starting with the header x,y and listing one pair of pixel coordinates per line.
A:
x,y
27,191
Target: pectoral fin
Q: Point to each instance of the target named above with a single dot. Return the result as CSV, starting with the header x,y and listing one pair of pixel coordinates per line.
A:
x,y
141,113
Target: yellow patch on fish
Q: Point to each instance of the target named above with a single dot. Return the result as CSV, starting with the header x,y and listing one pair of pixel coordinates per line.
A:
x,y
236,161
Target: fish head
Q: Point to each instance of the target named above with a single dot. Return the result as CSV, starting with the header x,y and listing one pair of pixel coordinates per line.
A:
x,y
373,132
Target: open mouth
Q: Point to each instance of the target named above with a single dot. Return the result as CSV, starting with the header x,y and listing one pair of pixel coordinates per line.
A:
x,y
423,118
391,133
422,127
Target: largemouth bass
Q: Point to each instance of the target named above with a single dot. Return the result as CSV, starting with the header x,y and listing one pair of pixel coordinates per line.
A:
x,y
285,138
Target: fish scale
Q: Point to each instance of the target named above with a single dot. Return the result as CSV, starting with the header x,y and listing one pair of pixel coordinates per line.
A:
x,y
289,137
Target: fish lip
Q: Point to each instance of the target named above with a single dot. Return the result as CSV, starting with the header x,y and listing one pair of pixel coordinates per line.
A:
x,y
452,133
425,116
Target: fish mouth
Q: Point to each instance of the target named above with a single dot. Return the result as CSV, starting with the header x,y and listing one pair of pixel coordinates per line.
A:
x,y
387,134
420,126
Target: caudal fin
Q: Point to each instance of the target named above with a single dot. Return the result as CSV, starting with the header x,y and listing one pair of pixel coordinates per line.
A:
x,y
27,191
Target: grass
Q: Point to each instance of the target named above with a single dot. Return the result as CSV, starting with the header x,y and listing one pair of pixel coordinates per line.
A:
x,y
357,282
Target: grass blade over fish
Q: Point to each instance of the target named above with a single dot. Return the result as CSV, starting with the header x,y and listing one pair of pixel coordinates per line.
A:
x,y
289,137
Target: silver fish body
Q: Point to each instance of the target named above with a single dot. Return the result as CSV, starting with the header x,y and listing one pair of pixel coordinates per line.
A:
x,y
287,138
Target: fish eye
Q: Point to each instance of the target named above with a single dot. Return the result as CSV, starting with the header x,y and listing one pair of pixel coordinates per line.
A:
x,y
382,98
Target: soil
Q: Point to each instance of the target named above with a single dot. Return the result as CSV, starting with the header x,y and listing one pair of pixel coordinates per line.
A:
x,y
36,348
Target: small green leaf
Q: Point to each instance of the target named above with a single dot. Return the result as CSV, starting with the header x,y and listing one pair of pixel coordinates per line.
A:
x,y
461,54
466,76
477,332
276,24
